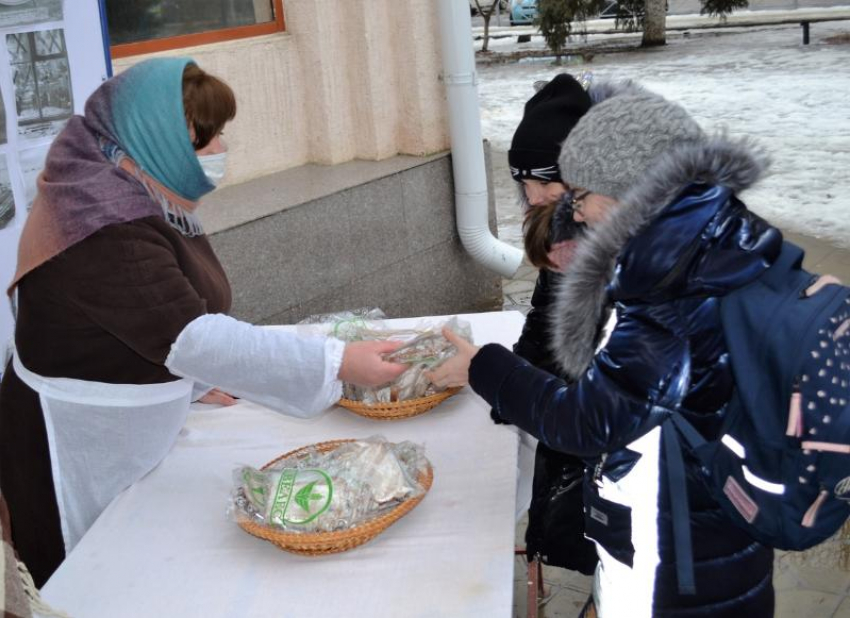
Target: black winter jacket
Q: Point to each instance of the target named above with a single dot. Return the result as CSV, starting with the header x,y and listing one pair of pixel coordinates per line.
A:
x,y
555,532
677,243
534,342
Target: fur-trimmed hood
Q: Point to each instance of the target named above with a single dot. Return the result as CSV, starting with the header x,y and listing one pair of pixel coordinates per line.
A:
x,y
663,222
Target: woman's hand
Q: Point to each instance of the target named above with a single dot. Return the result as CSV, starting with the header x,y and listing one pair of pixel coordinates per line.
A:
x,y
363,363
217,397
455,371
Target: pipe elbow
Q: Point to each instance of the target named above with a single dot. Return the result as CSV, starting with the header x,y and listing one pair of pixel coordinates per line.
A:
x,y
489,251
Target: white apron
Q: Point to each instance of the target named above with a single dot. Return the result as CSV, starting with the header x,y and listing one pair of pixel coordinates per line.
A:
x,y
103,438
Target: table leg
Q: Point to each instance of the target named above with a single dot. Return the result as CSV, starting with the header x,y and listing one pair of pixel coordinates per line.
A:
x,y
535,586
534,579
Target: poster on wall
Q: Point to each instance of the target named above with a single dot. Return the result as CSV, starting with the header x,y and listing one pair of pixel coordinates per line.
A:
x,y
51,59
15,13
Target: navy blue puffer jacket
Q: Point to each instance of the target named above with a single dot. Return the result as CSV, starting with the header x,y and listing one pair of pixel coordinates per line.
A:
x,y
677,243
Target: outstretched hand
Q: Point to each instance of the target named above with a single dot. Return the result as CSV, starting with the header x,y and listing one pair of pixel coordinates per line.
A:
x,y
455,371
363,363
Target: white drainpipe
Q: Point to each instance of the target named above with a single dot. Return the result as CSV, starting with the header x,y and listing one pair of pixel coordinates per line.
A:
x,y
470,177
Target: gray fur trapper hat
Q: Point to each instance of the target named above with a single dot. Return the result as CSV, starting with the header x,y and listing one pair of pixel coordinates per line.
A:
x,y
616,142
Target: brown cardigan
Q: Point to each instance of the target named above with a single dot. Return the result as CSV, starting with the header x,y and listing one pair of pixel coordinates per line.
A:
x,y
107,310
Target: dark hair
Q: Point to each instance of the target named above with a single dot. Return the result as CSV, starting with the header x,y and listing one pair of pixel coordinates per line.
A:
x,y
208,103
536,234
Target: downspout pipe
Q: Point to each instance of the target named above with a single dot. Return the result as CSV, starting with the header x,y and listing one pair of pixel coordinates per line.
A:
x,y
470,176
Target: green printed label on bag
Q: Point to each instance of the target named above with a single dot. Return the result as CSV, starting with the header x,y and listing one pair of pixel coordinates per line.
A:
x,y
301,496
254,483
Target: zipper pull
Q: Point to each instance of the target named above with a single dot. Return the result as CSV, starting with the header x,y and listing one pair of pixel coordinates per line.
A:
x,y
597,471
794,427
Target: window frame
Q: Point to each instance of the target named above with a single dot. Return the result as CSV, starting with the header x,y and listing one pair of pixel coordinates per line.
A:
x,y
125,50
34,59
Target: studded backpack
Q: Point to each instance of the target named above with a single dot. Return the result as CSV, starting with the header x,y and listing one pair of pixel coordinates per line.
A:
x,y
780,467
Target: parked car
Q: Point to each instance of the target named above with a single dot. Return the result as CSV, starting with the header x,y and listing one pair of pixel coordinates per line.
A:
x,y
473,8
523,12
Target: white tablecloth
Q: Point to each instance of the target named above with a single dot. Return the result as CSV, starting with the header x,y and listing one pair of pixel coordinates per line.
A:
x,y
165,548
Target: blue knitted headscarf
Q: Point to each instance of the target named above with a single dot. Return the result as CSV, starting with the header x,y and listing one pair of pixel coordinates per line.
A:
x,y
141,110
88,183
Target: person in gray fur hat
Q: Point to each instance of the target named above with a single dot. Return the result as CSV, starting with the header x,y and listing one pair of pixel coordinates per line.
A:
x,y
667,237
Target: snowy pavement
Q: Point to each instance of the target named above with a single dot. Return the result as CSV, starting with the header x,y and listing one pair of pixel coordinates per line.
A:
x,y
760,83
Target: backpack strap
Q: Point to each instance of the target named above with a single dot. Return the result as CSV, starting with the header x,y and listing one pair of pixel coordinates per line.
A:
x,y
691,435
790,258
671,429
679,509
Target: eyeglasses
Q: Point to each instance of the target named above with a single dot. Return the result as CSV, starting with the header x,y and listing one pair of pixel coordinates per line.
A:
x,y
576,200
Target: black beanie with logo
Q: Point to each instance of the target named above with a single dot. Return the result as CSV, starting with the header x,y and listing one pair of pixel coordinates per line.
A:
x,y
548,118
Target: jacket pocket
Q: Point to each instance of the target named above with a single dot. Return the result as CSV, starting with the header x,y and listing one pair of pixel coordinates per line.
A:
x,y
609,524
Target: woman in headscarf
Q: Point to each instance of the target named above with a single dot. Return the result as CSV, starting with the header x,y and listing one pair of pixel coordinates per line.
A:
x,y
121,307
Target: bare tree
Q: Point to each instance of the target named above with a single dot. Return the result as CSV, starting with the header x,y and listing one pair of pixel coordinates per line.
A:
x,y
486,15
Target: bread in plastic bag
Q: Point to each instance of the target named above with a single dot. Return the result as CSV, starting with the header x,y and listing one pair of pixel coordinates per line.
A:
x,y
424,349
315,491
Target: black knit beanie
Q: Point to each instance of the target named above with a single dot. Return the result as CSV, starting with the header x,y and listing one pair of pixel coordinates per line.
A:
x,y
549,117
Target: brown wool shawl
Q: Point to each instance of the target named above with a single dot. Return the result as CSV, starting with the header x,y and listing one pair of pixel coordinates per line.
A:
x,y
82,191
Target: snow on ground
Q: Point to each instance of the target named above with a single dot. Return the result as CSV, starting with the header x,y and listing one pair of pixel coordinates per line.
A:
x,y
793,99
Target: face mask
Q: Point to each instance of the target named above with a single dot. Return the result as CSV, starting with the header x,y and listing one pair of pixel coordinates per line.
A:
x,y
214,166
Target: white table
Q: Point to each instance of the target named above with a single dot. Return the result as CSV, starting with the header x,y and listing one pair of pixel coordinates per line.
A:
x,y
165,548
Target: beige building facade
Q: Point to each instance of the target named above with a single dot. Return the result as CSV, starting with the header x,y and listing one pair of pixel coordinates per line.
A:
x,y
353,79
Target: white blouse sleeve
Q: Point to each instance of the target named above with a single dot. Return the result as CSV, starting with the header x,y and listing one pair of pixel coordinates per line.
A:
x,y
290,373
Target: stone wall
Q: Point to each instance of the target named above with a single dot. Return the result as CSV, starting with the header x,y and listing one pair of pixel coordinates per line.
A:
x,y
317,239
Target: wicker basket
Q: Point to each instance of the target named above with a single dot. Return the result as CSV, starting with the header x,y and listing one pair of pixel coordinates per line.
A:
x,y
321,543
397,409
